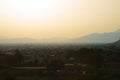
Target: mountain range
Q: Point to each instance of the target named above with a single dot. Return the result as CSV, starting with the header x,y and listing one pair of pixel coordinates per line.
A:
x,y
109,37
17,40
99,37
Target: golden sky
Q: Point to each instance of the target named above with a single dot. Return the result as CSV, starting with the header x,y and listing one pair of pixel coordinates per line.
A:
x,y
63,19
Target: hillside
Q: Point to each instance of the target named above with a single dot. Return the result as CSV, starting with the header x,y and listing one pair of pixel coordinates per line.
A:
x,y
99,37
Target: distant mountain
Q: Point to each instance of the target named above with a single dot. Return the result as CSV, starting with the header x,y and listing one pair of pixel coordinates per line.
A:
x,y
109,37
100,37
17,40
117,43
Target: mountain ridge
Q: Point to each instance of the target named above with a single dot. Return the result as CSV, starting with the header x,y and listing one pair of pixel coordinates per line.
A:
x,y
108,37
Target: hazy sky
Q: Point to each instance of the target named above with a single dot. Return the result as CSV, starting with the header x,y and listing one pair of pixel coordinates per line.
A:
x,y
63,19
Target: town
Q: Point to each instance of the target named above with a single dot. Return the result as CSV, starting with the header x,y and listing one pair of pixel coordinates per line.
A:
x,y
81,63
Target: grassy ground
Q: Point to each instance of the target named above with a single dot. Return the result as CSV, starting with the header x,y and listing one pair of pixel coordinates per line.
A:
x,y
43,78
34,78
29,68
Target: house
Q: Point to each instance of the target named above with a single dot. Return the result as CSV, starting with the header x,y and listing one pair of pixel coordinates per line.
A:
x,y
111,64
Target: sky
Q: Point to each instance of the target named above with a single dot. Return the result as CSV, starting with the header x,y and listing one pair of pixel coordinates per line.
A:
x,y
57,19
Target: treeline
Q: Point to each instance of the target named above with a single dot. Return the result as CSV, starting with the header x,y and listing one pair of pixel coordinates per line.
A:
x,y
80,64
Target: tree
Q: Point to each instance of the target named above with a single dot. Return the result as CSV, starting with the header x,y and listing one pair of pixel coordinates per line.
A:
x,y
55,66
18,57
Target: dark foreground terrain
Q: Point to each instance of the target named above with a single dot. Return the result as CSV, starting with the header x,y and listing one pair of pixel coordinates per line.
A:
x,y
59,62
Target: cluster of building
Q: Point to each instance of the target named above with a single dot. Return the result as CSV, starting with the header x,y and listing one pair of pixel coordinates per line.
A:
x,y
43,56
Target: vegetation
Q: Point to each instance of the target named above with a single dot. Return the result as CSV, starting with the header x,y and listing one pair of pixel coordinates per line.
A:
x,y
59,64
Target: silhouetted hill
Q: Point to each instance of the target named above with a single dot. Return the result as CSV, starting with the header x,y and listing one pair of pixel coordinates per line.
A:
x,y
100,37
17,40
109,37
117,43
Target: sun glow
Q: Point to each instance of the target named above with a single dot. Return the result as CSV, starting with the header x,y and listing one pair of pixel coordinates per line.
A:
x,y
35,9
44,19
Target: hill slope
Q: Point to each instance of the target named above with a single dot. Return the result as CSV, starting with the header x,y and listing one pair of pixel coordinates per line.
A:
x,y
100,37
